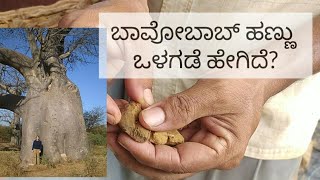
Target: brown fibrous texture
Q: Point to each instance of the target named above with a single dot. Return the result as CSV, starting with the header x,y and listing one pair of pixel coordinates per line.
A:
x,y
129,123
41,16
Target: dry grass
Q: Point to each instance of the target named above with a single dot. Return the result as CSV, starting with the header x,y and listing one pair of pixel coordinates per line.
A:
x,y
9,163
93,166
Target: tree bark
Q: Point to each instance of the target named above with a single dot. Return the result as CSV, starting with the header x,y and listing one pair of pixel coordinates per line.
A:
x,y
16,60
56,116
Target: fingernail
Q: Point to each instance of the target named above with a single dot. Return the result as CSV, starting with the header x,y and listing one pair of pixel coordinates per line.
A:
x,y
153,116
148,97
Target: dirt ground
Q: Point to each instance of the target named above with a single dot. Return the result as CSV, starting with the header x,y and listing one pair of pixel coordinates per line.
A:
x,y
93,166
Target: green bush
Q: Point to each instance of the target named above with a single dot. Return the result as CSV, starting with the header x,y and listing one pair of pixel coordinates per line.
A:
x,y
97,135
97,139
101,129
5,133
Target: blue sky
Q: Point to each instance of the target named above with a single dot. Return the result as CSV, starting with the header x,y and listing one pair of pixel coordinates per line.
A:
x,y
92,89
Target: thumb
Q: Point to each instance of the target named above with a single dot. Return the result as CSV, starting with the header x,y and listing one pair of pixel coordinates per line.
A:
x,y
178,110
113,111
140,91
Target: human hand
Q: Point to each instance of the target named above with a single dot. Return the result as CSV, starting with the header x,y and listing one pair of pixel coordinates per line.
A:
x,y
127,160
221,116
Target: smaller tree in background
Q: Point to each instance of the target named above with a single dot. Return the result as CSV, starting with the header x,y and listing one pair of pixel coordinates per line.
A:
x,y
6,117
5,134
94,117
96,126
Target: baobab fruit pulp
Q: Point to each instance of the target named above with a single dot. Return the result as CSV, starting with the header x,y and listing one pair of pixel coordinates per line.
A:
x,y
129,123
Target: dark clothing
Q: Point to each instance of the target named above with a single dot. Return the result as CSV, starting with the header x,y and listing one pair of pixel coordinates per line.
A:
x,y
37,145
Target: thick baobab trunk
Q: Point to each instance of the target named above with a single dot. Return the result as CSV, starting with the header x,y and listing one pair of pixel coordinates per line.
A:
x,y
52,107
55,114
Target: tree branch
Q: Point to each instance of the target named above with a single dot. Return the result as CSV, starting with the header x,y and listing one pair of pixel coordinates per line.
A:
x,y
10,102
53,45
32,43
16,60
65,55
78,43
7,88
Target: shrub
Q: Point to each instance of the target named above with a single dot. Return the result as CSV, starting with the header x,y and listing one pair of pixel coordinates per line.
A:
x,y
5,133
97,139
101,129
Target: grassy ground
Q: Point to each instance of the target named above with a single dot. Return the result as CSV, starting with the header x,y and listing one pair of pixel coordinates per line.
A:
x,y
93,166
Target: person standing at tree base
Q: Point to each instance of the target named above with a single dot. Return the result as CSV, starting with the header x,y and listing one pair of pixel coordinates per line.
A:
x,y
36,149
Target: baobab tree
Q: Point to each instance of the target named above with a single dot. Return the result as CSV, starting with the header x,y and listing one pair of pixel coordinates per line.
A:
x,y
51,105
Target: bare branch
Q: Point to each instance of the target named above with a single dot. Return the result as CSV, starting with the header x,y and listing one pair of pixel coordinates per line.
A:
x,y
16,60
78,43
32,39
7,88
6,116
54,42
65,55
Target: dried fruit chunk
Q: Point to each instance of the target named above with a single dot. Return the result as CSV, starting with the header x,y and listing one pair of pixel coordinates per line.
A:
x,y
174,138
159,138
129,123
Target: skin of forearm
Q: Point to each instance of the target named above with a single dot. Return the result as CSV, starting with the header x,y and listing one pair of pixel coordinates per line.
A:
x,y
274,86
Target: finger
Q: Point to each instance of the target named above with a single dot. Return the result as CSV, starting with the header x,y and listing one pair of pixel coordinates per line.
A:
x,y
188,157
112,128
67,19
189,131
88,18
127,160
121,103
111,119
140,91
179,110
109,82
113,111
